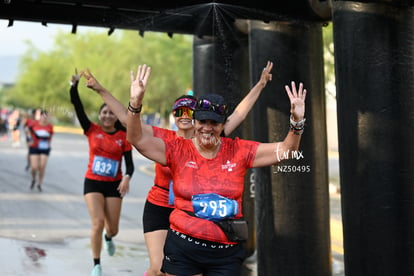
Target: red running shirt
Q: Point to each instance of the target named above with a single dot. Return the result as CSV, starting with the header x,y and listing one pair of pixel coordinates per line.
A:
x,y
194,174
105,153
30,122
41,135
158,194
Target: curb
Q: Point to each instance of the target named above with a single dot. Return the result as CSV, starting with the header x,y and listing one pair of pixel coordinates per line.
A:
x,y
64,129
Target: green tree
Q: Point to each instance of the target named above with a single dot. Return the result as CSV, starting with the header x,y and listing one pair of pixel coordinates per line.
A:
x,y
44,76
329,63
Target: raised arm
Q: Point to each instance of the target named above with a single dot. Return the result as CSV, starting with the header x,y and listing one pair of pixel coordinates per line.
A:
x,y
76,101
151,147
116,106
272,153
243,108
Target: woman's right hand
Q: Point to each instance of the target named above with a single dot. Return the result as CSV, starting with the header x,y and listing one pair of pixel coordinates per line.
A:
x,y
75,78
266,76
139,84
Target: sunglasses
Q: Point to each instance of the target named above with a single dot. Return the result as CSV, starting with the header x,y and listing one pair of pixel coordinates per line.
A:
x,y
220,109
179,112
185,102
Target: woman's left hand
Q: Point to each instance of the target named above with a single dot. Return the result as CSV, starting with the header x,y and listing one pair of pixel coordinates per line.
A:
x,y
297,100
123,187
91,81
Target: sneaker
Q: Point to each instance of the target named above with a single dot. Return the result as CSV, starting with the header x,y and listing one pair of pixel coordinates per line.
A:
x,y
109,245
97,270
32,185
39,188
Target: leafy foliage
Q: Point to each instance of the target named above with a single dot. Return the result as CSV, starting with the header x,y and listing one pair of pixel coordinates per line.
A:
x,y
44,76
329,59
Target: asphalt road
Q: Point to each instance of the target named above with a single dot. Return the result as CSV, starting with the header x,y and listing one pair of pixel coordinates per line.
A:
x,y
47,233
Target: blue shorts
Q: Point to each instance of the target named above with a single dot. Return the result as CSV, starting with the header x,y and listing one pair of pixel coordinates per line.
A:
x,y
107,188
155,217
185,255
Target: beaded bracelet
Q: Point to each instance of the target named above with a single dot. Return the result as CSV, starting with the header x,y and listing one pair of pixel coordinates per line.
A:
x,y
299,124
296,131
297,127
134,110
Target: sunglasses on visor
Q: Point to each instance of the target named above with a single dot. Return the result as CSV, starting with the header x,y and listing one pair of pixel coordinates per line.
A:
x,y
207,105
184,102
180,112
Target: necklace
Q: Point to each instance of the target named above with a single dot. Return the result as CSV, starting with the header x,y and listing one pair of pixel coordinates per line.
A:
x,y
209,153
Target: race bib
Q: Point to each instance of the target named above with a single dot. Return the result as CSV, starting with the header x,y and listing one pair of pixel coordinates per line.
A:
x,y
105,166
214,207
171,194
43,144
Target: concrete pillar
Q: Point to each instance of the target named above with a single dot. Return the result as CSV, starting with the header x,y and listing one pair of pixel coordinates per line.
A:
x,y
374,72
292,199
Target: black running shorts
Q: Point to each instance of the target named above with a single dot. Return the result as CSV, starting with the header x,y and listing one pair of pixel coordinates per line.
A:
x,y
107,188
155,217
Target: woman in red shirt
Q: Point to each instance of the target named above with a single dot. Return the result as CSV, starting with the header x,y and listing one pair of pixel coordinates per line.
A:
x,y
208,174
104,185
159,203
27,122
41,133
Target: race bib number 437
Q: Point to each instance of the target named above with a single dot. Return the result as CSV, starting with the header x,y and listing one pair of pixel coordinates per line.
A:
x,y
214,207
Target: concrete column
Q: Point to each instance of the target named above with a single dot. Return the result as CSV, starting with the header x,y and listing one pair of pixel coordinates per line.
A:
x,y
374,72
292,199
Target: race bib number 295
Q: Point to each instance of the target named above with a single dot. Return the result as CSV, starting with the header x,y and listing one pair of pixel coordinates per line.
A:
x,y
214,207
